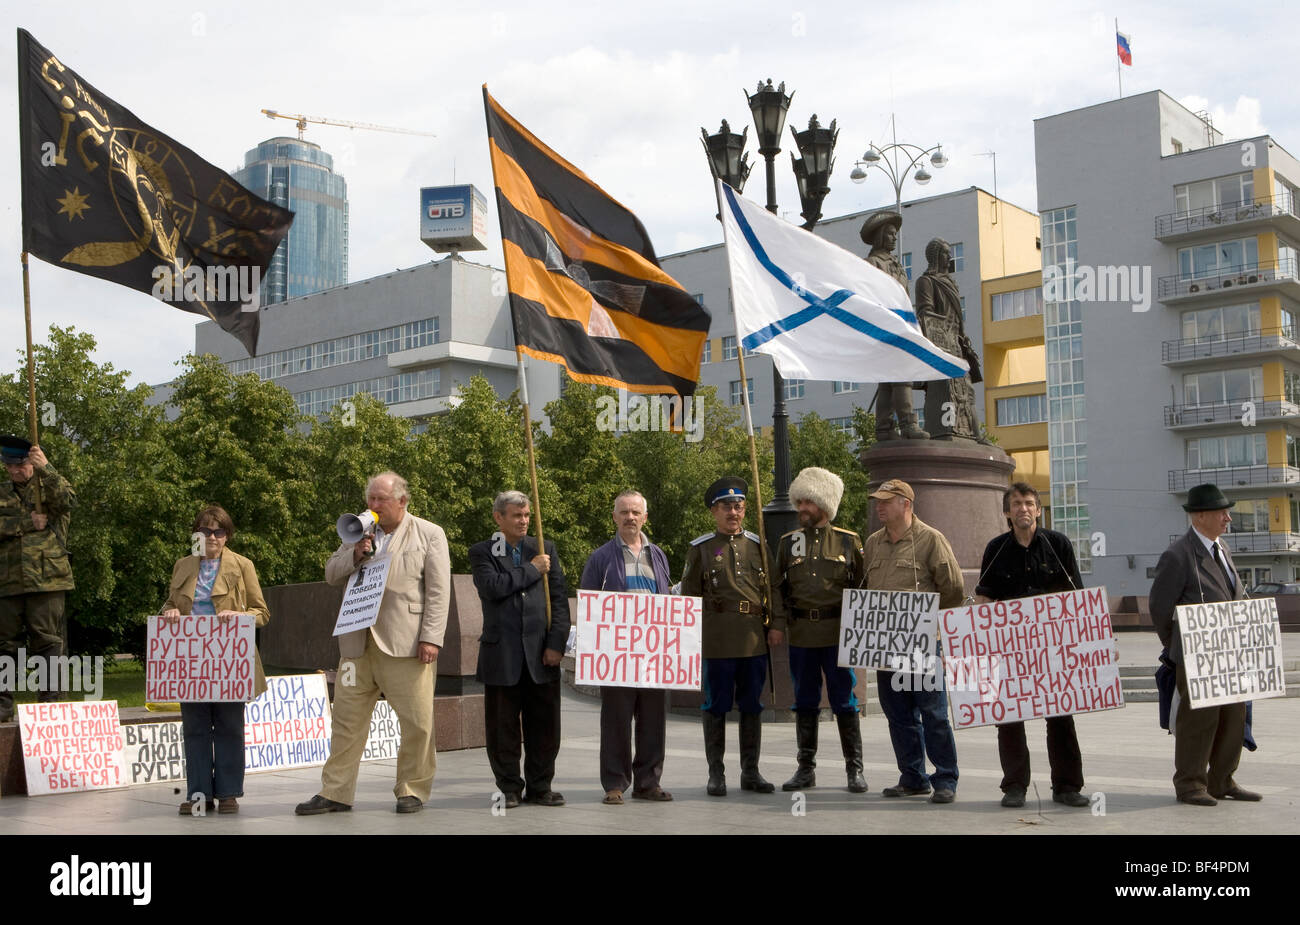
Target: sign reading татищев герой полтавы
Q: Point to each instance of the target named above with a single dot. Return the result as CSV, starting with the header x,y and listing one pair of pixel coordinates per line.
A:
x,y
1232,651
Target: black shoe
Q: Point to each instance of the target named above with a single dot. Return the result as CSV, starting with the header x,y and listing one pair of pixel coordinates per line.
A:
x,y
943,795
851,745
898,790
409,804
1071,798
1013,799
545,798
1237,793
1197,798
751,740
511,799
715,742
805,734
317,805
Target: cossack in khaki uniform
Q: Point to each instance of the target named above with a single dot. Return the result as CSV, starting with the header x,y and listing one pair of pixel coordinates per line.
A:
x,y
727,572
810,586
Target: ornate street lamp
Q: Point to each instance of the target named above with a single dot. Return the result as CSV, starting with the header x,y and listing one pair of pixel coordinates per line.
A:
x,y
812,171
896,160
727,158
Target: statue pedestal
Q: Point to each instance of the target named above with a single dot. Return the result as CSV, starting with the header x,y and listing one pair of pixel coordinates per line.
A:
x,y
959,488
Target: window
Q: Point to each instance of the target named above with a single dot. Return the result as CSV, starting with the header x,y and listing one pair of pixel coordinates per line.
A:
x,y
1222,385
1024,409
793,389
1176,145
1017,304
729,347
1231,451
698,297
1215,259
1250,516
736,398
1284,194
839,388
1290,327
1295,515
1215,194
707,355
1292,452
958,257
1221,322
906,261
843,425
1291,386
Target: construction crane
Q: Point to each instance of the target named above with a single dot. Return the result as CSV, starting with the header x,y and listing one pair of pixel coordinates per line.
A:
x,y
302,121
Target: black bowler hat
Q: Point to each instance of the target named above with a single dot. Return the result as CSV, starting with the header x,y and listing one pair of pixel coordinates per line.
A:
x,y
1206,497
14,449
726,487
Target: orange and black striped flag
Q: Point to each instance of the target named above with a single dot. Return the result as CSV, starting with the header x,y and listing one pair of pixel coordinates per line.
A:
x,y
586,289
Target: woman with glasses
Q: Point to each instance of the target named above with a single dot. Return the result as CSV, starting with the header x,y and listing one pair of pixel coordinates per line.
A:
x,y
219,583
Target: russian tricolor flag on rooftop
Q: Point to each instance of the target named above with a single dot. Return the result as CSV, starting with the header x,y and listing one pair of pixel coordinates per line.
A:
x,y
1121,46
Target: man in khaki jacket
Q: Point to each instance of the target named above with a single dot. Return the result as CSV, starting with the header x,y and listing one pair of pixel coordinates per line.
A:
x,y
398,655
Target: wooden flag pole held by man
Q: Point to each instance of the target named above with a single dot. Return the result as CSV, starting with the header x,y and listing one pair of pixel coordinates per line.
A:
x,y
532,475
31,373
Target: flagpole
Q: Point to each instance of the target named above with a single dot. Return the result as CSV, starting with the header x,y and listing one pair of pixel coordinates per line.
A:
x,y
749,429
532,473
1119,72
31,369
523,386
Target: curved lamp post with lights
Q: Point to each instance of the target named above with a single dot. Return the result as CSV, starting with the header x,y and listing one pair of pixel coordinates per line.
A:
x,y
812,169
897,160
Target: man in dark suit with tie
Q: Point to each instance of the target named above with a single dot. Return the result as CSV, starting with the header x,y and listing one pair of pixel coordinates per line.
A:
x,y
519,652
1197,569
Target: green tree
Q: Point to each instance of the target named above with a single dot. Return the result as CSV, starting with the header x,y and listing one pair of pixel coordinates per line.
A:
x,y
469,455
242,448
358,439
580,455
114,451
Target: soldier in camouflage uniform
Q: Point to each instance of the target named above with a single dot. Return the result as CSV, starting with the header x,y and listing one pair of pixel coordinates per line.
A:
x,y
725,568
34,568
814,565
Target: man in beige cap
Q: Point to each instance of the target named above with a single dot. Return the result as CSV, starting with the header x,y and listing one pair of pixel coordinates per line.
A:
x,y
908,555
814,565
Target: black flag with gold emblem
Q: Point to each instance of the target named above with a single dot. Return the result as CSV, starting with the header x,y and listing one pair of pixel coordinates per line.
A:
x,y
108,195
585,287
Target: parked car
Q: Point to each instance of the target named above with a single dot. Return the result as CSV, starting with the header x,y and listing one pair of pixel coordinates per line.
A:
x,y
1275,588
1287,596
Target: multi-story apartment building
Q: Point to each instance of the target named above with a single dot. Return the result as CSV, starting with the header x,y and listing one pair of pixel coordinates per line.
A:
x,y
1171,298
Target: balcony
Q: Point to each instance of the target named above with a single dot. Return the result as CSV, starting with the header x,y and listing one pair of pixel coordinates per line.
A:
x,y
1254,343
1268,408
1240,544
1180,480
1253,279
1276,212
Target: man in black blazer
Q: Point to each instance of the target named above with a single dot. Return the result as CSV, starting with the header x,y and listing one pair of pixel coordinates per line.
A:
x,y
1197,569
519,652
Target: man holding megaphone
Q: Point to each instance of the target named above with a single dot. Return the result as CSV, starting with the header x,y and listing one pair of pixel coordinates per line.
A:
x,y
397,655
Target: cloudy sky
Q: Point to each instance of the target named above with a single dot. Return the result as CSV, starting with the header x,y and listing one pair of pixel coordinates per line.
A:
x,y
620,91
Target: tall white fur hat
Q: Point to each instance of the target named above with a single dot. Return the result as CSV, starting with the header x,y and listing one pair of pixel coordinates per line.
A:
x,y
820,486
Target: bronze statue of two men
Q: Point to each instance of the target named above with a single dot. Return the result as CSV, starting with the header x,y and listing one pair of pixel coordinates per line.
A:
x,y
949,403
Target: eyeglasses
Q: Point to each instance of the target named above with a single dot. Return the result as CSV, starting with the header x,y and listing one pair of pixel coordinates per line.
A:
x,y
218,532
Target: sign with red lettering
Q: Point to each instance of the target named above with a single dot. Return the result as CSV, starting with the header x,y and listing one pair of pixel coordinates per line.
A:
x,y
1031,658
71,746
289,726
1232,651
630,639
199,659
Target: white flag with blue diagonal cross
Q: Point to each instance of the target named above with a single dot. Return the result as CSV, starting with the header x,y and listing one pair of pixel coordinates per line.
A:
x,y
819,311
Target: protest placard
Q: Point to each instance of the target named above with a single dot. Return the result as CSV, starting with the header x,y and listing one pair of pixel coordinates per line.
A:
x,y
363,595
385,733
289,725
153,752
71,746
889,630
199,659
638,640
1047,655
1232,651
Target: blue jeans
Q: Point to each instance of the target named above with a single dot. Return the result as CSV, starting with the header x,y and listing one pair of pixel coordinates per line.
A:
x,y
918,726
806,669
214,749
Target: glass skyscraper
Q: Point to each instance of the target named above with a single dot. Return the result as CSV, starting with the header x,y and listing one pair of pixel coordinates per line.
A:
x,y
298,175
